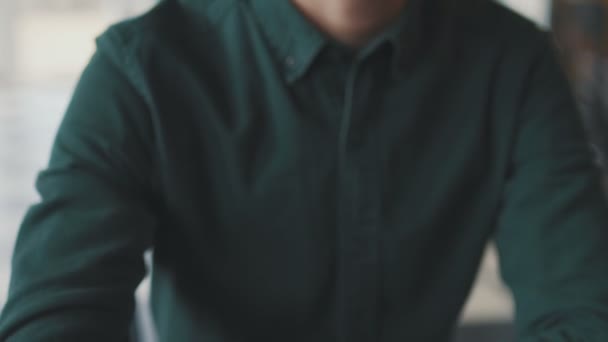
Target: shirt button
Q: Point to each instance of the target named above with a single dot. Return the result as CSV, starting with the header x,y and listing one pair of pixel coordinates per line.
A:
x,y
290,61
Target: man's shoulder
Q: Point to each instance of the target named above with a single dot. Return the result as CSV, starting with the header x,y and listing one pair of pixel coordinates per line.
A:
x,y
171,24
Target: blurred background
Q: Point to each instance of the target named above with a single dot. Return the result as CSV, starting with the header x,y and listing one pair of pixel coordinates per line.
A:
x,y
45,44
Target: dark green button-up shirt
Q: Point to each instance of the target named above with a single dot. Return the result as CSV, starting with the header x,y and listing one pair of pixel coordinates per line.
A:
x,y
294,190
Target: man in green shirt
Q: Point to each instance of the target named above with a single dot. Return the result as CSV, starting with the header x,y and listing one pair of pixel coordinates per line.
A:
x,y
314,170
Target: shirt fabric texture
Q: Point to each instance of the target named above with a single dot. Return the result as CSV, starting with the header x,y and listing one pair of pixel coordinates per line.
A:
x,y
294,190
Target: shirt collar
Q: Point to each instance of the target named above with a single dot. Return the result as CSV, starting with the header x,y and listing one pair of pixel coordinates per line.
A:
x,y
295,40
298,42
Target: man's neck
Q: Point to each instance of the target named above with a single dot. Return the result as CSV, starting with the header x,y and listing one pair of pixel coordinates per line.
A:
x,y
351,22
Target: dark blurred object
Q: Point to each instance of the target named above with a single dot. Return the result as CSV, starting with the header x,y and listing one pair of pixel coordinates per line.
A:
x,y
485,332
479,332
581,31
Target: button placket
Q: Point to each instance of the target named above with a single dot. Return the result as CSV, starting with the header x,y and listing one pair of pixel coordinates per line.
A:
x,y
358,230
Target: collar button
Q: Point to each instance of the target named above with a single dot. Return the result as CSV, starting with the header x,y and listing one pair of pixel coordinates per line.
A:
x,y
290,61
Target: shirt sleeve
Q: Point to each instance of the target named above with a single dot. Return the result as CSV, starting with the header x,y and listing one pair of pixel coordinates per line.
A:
x,y
78,256
553,231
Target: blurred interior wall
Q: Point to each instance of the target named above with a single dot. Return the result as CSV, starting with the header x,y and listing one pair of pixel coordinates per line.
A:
x,y
7,40
537,10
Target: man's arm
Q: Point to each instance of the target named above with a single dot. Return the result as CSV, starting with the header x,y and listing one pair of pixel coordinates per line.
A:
x,y
78,256
553,233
